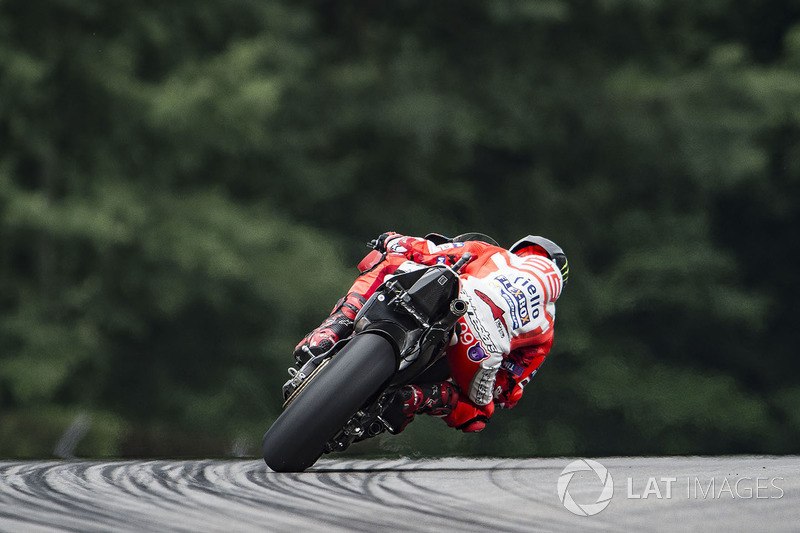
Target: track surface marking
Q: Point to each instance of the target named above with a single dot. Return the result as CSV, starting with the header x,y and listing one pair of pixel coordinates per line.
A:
x,y
399,495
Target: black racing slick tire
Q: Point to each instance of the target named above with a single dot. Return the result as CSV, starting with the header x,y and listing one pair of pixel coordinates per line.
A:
x,y
297,438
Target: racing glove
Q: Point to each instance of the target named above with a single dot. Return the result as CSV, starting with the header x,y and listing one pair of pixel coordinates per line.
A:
x,y
516,371
379,243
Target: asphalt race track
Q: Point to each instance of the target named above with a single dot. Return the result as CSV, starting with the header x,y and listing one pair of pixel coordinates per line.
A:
x,y
646,494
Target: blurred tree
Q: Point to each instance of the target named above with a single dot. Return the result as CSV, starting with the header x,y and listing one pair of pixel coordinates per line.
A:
x,y
133,283
185,186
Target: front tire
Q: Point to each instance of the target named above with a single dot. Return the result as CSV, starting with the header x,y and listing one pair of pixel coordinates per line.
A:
x,y
297,438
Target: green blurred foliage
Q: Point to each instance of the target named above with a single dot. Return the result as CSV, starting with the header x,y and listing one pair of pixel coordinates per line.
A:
x,y
186,186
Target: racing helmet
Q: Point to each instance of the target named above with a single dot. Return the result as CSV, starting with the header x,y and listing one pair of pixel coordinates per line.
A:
x,y
536,244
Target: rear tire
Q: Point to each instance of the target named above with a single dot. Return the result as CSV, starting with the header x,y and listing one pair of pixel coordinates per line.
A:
x,y
297,438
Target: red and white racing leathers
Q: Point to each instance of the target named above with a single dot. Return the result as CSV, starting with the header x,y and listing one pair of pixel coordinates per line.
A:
x,y
507,330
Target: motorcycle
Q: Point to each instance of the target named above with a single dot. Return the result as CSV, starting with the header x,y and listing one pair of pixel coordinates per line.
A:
x,y
341,396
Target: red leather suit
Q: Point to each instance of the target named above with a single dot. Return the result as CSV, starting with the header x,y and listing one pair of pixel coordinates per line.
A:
x,y
508,329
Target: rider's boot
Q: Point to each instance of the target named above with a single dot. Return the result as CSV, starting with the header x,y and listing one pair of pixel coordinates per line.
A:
x,y
437,399
338,325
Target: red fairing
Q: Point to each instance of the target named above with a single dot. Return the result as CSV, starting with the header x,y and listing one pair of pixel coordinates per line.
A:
x,y
370,261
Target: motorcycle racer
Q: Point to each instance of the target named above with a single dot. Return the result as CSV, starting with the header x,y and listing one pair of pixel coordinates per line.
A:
x,y
501,341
